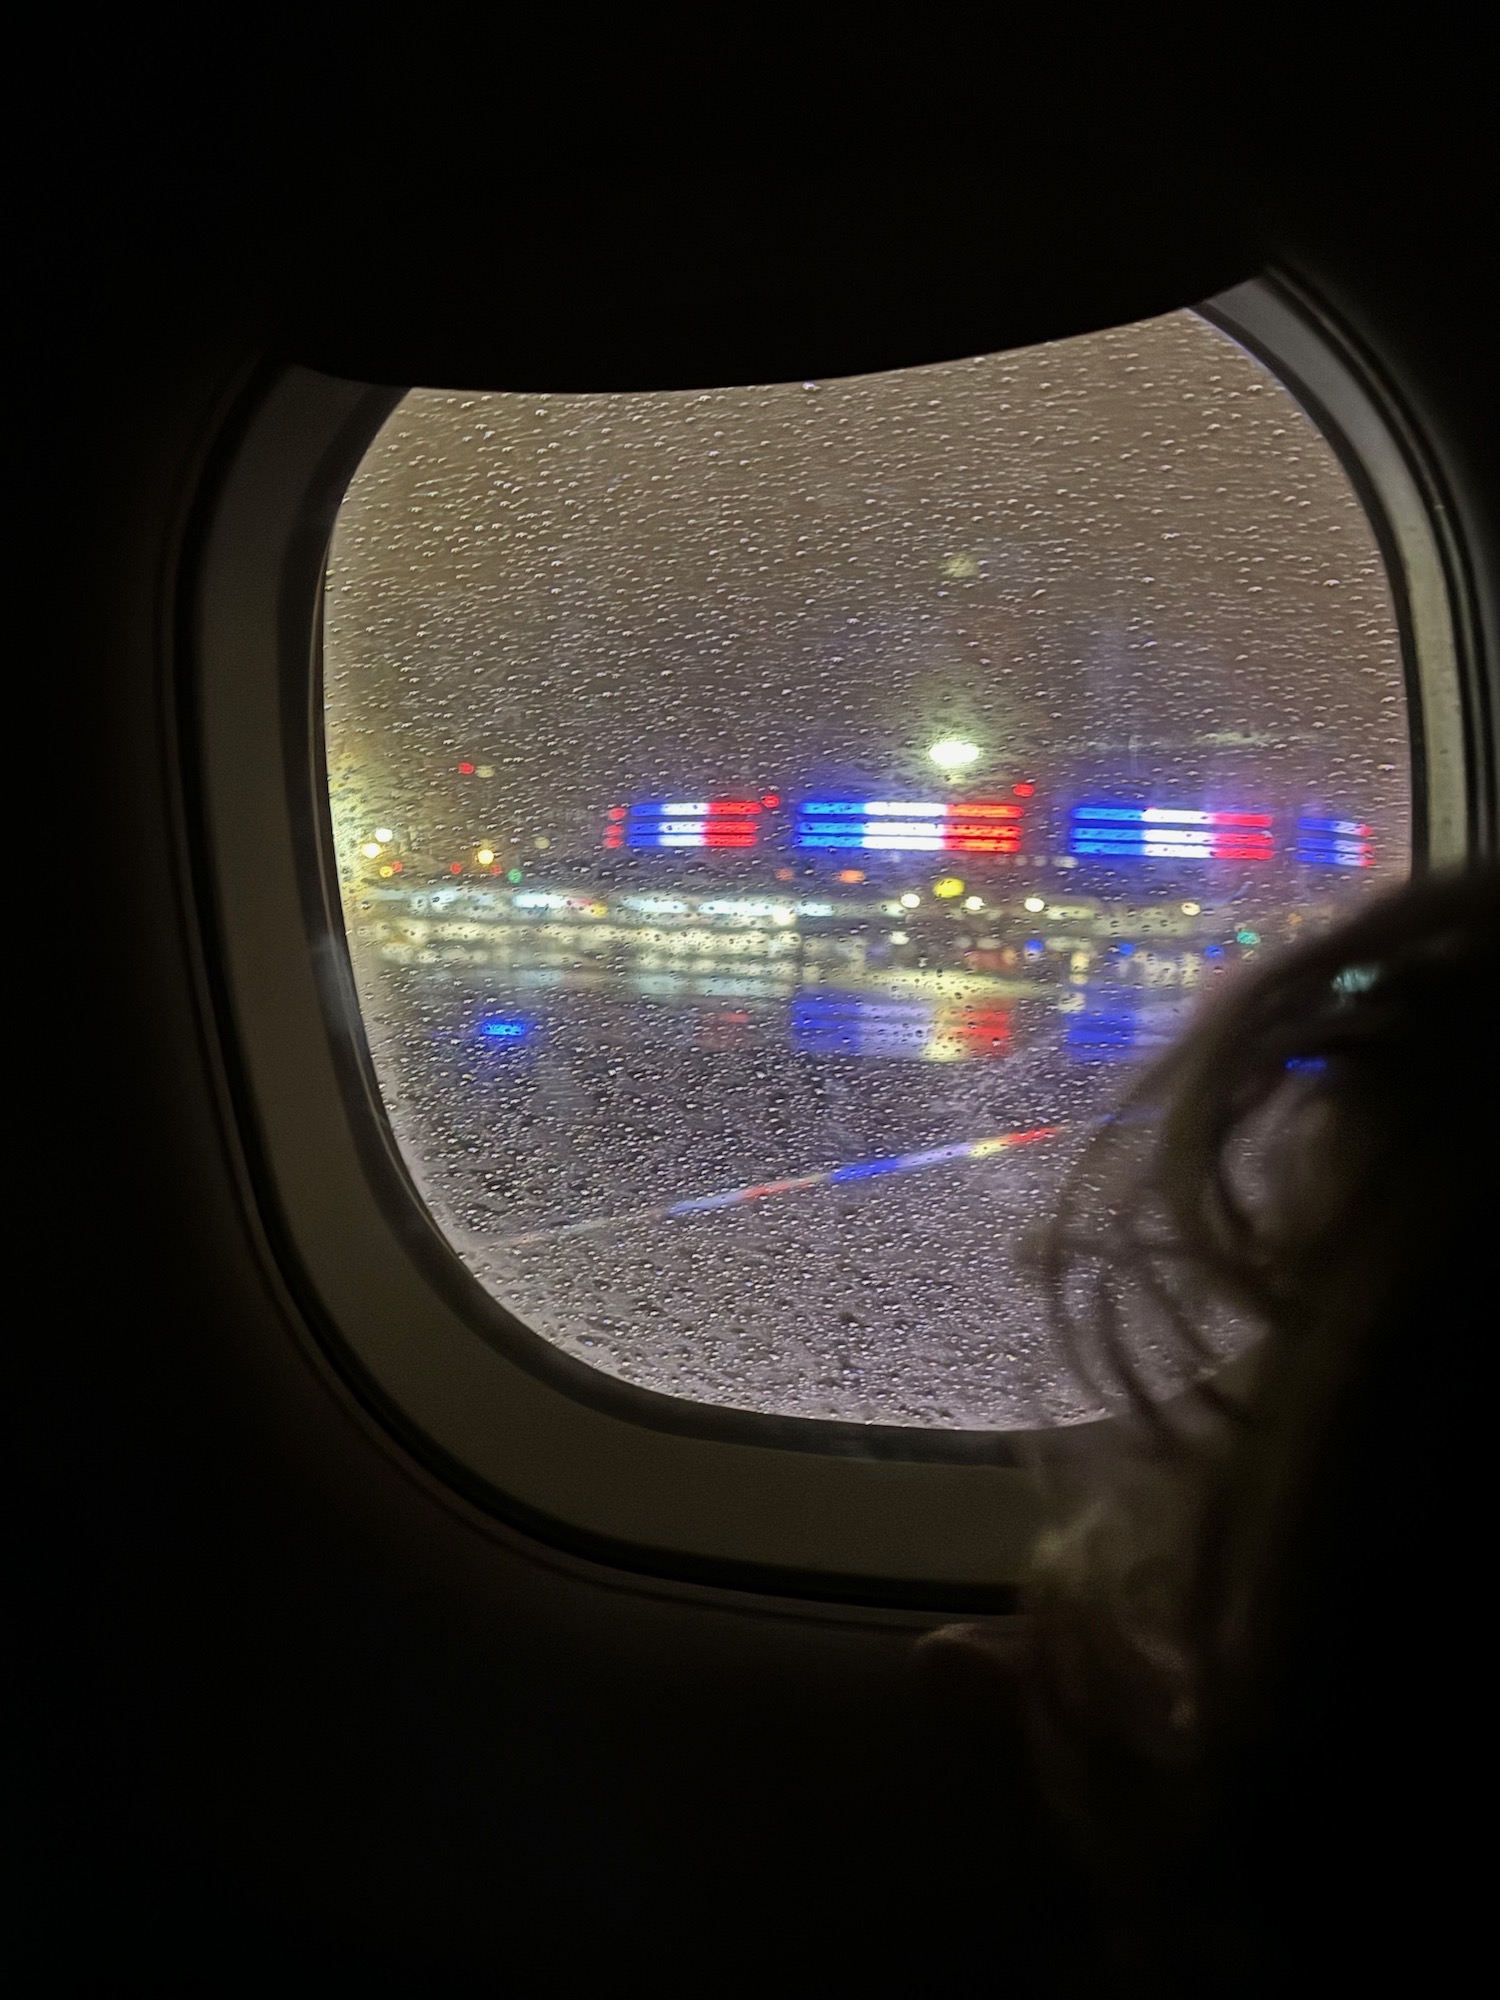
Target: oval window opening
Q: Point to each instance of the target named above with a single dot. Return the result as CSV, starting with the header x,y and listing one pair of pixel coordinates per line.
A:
x,y
773,823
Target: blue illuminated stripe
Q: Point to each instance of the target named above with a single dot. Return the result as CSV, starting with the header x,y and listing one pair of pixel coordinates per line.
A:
x,y
1335,857
867,1170
919,839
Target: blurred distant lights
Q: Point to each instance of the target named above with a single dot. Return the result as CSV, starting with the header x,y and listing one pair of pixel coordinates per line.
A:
x,y
954,753
900,937
973,902
1036,904
687,822
466,770
1334,843
385,833
910,900
949,887
1192,909
485,856
371,850
1170,833
505,1030
916,826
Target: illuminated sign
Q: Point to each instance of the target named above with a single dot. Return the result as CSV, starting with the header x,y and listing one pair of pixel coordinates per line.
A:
x,y
1170,833
902,827
685,823
1334,843
846,1024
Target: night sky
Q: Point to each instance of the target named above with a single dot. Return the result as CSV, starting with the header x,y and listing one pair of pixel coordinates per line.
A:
x,y
1133,537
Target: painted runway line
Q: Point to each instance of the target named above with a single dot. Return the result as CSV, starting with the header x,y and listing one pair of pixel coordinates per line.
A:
x,y
860,1170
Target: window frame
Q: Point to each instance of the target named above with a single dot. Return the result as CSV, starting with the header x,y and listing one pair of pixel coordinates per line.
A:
x,y
535,1438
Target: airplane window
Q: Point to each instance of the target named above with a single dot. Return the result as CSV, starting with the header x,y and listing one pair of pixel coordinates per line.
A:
x,y
773,823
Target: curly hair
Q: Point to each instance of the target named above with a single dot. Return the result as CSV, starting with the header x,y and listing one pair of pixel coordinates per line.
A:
x,y
1272,1266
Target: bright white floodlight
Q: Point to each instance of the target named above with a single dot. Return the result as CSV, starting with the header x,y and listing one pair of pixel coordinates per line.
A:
x,y
954,754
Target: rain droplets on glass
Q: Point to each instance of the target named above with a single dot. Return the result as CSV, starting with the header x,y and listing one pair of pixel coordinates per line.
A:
x,y
747,1123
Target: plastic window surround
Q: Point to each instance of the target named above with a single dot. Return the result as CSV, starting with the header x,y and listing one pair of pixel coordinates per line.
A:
x,y
584,1462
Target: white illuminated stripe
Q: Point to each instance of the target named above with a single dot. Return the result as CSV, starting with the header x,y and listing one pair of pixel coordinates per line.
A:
x,y
913,842
1171,815
887,809
1126,840
678,840
675,809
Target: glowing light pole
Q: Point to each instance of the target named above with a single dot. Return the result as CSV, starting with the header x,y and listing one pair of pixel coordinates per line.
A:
x,y
954,755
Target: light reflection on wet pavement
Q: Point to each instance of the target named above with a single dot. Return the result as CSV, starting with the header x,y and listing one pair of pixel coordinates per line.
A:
x,y
748,1189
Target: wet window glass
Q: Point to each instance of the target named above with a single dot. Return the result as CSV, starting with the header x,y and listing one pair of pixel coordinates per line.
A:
x,y
774,823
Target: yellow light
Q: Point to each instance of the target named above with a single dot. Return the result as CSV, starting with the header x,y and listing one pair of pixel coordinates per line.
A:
x,y
371,850
910,900
385,833
1192,909
973,902
387,872
485,856
954,754
1036,904
949,886
541,843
